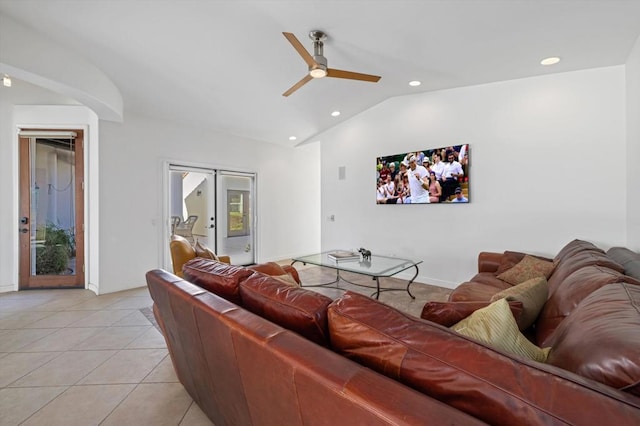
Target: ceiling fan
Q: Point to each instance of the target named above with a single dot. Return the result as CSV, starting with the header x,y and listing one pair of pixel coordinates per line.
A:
x,y
318,63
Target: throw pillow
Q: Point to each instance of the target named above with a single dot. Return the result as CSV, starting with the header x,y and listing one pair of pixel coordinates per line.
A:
x,y
533,295
529,267
204,251
496,327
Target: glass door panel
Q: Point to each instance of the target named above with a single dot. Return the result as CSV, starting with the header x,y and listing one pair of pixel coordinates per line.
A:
x,y
236,213
191,204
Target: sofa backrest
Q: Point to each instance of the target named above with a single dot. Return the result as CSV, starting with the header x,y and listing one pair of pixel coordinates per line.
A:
x,y
601,338
630,260
242,369
486,383
292,307
217,277
568,294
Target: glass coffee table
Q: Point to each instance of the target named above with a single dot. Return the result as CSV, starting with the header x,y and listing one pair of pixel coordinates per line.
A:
x,y
375,267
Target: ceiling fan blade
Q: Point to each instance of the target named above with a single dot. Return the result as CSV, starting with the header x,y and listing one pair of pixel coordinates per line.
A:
x,y
352,75
298,85
300,49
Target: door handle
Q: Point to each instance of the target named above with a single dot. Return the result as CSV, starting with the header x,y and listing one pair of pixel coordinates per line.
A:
x,y
24,230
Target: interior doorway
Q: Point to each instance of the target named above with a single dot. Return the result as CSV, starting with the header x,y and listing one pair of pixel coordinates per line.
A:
x,y
214,207
51,224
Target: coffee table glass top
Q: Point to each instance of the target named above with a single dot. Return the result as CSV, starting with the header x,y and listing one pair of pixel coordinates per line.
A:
x,y
377,266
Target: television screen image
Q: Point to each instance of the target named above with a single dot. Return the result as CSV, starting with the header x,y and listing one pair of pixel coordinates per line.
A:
x,y
428,176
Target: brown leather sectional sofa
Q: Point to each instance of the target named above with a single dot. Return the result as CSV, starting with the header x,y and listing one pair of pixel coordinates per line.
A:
x,y
281,354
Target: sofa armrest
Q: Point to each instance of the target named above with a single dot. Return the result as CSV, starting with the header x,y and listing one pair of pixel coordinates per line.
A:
x,y
489,261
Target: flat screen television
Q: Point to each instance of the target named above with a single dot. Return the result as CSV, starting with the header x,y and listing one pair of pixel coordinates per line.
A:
x,y
428,176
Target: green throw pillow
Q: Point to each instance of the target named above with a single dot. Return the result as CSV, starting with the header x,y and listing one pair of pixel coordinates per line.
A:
x,y
496,327
533,295
529,267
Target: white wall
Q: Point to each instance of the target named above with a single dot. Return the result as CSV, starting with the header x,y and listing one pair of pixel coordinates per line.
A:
x,y
131,159
547,166
16,111
633,147
128,210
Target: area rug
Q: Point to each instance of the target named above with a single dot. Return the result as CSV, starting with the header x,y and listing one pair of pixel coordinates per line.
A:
x,y
148,314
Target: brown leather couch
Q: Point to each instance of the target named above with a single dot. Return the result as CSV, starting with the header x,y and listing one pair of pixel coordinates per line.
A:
x,y
243,369
591,319
281,354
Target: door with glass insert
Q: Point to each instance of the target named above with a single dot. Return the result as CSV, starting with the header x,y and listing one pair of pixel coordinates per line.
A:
x,y
236,216
51,222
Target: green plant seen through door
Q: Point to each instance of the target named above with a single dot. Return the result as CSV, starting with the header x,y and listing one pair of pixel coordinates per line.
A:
x,y
53,254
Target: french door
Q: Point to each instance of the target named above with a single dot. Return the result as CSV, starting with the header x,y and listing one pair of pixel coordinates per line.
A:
x,y
51,224
236,218
215,208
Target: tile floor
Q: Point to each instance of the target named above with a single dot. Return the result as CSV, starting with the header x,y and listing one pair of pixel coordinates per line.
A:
x,y
69,357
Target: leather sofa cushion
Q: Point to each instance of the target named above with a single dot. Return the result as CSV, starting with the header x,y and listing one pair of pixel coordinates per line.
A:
x,y
449,313
488,384
627,258
297,309
622,255
475,291
601,338
217,277
568,295
574,247
570,264
490,279
273,269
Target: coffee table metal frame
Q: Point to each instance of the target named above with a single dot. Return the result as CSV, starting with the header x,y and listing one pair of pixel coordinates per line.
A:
x,y
376,267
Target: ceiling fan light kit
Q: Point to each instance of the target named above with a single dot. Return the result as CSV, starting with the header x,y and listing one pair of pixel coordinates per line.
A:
x,y
318,63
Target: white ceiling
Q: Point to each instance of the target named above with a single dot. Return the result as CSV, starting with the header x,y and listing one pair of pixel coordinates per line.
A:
x,y
224,64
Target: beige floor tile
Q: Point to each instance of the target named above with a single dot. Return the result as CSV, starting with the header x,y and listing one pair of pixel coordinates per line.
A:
x,y
134,318
96,304
102,318
163,373
13,340
62,339
153,404
112,338
133,303
81,405
127,366
60,319
12,305
150,339
65,370
17,404
15,365
14,320
195,417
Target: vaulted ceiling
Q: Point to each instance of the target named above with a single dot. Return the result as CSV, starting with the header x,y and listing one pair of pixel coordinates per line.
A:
x,y
224,65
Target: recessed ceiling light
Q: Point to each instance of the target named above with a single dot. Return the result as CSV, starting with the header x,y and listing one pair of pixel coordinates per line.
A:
x,y
414,83
335,113
550,61
6,81
292,138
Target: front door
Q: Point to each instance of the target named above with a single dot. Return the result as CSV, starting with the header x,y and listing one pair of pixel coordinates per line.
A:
x,y
51,223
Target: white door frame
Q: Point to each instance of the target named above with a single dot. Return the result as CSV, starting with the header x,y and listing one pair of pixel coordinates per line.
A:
x,y
165,229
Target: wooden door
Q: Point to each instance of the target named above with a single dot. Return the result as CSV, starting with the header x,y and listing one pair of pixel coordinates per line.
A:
x,y
51,223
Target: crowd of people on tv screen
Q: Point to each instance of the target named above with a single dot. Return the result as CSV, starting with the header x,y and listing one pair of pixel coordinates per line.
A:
x,y
433,176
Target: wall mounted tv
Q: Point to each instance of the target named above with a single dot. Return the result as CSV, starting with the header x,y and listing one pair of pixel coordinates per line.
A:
x,y
428,176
